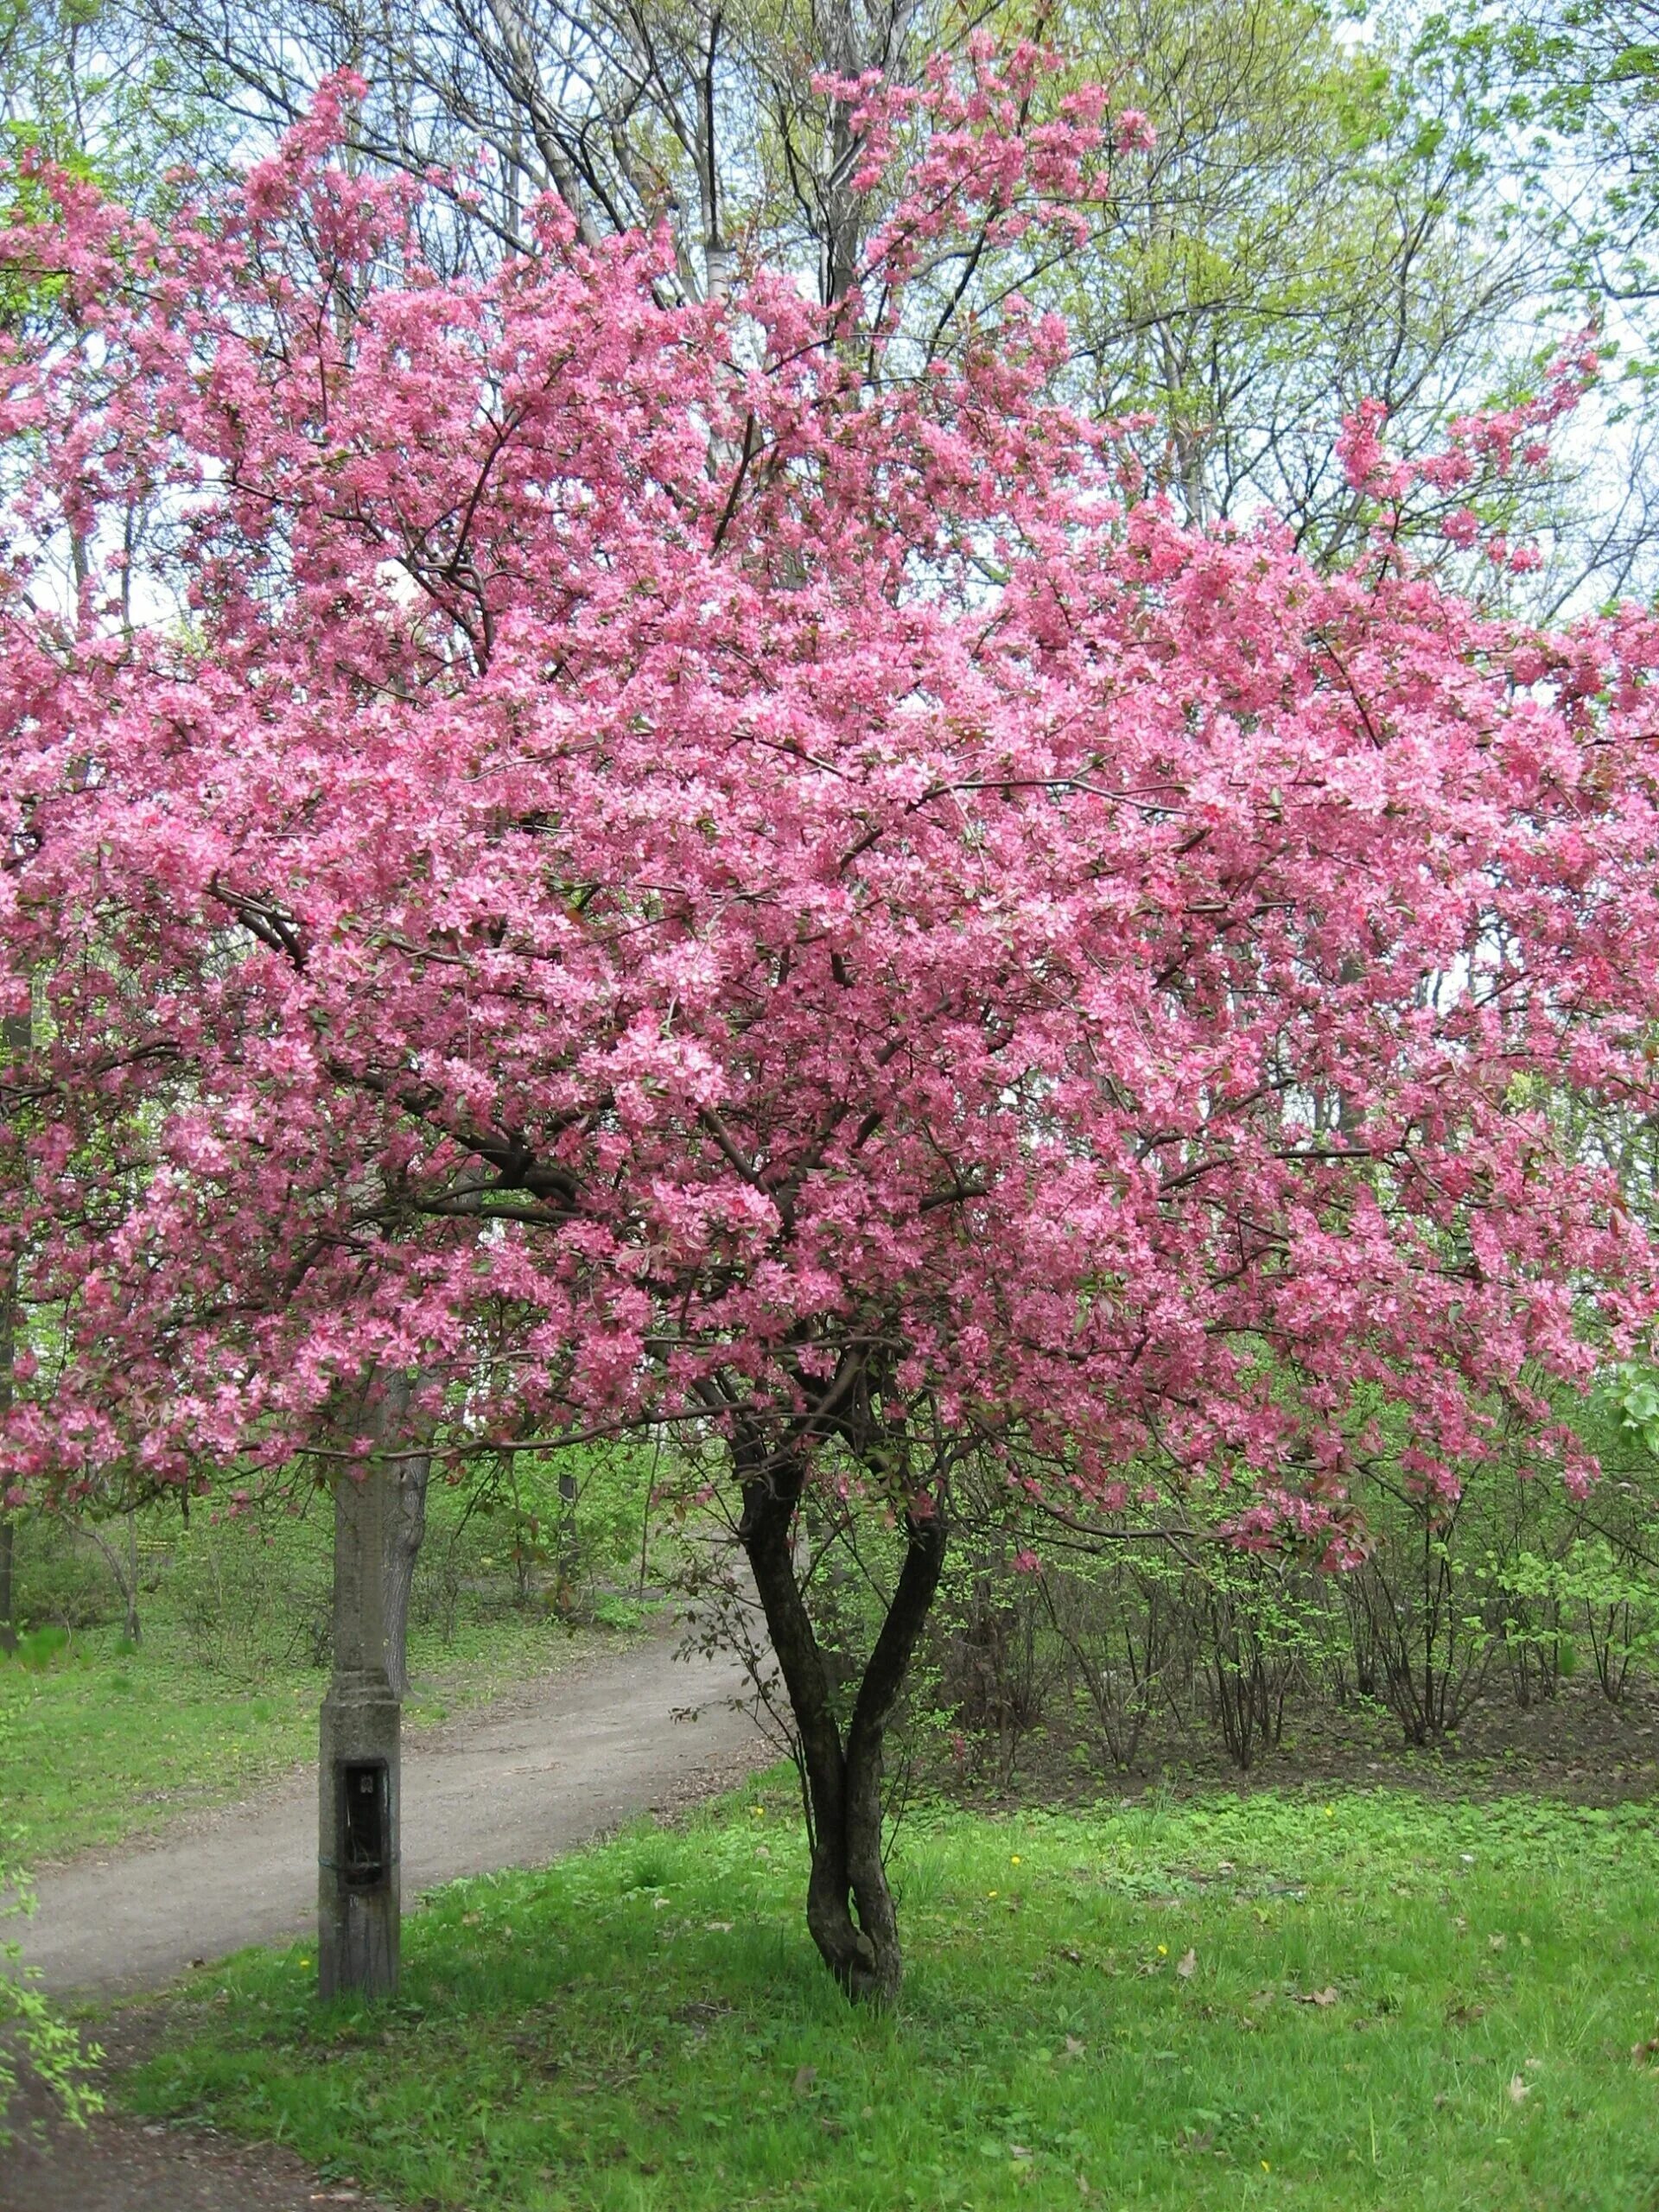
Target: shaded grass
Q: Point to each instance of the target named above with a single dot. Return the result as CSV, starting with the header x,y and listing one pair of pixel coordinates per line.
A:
x,y
1372,1999
108,1742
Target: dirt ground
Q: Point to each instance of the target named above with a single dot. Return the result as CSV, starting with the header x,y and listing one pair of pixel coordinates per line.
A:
x,y
515,1784
123,2165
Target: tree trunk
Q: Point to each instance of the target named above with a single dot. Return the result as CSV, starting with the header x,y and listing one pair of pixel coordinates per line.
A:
x,y
8,1615
359,1884
406,1532
7,1527
849,1908
386,1412
130,1584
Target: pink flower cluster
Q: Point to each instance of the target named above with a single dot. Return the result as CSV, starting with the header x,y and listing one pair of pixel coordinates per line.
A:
x,y
1490,445
592,899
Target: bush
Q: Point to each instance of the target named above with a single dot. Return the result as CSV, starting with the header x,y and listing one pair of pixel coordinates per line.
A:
x,y
1137,1637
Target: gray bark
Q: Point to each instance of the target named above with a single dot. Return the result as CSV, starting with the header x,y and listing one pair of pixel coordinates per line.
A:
x,y
358,1909
406,1530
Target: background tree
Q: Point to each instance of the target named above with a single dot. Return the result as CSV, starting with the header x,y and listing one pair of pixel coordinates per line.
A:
x,y
1318,224
703,116
1309,233
1562,93
87,86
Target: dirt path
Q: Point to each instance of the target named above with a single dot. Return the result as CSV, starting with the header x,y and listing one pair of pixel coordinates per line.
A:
x,y
514,1785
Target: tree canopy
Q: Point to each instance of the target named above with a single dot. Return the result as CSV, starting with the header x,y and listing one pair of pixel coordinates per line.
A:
x,y
654,861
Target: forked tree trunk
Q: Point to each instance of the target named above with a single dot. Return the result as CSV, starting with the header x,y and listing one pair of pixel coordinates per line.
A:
x,y
7,1527
131,1629
849,1908
17,1035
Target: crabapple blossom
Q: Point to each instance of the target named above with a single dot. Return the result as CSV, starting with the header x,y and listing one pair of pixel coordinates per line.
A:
x,y
683,864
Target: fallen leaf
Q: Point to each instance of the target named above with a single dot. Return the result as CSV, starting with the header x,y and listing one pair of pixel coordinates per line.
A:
x,y
718,1927
470,1919
805,2077
1496,1943
1520,2088
1073,2047
1187,1965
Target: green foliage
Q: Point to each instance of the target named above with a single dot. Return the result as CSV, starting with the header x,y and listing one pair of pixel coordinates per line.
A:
x,y
32,2035
249,1590
1308,234
1615,1599
40,1647
566,1525
1145,1636
87,89
1636,1394
1370,2000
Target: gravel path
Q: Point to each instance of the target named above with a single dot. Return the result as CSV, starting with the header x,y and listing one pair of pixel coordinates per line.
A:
x,y
513,1784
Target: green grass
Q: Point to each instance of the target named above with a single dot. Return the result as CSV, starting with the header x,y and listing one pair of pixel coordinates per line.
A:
x,y
1375,2000
108,1743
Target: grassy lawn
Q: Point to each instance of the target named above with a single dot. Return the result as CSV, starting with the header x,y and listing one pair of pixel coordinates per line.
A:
x,y
106,1743
1371,2000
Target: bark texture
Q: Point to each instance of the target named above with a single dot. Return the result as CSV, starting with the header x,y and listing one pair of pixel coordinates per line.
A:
x,y
849,1907
405,1533
405,1506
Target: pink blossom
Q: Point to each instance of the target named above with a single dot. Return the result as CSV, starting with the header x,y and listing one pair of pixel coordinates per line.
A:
x,y
695,955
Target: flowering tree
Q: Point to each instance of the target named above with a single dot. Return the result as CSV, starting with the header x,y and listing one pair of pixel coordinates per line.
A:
x,y
700,865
